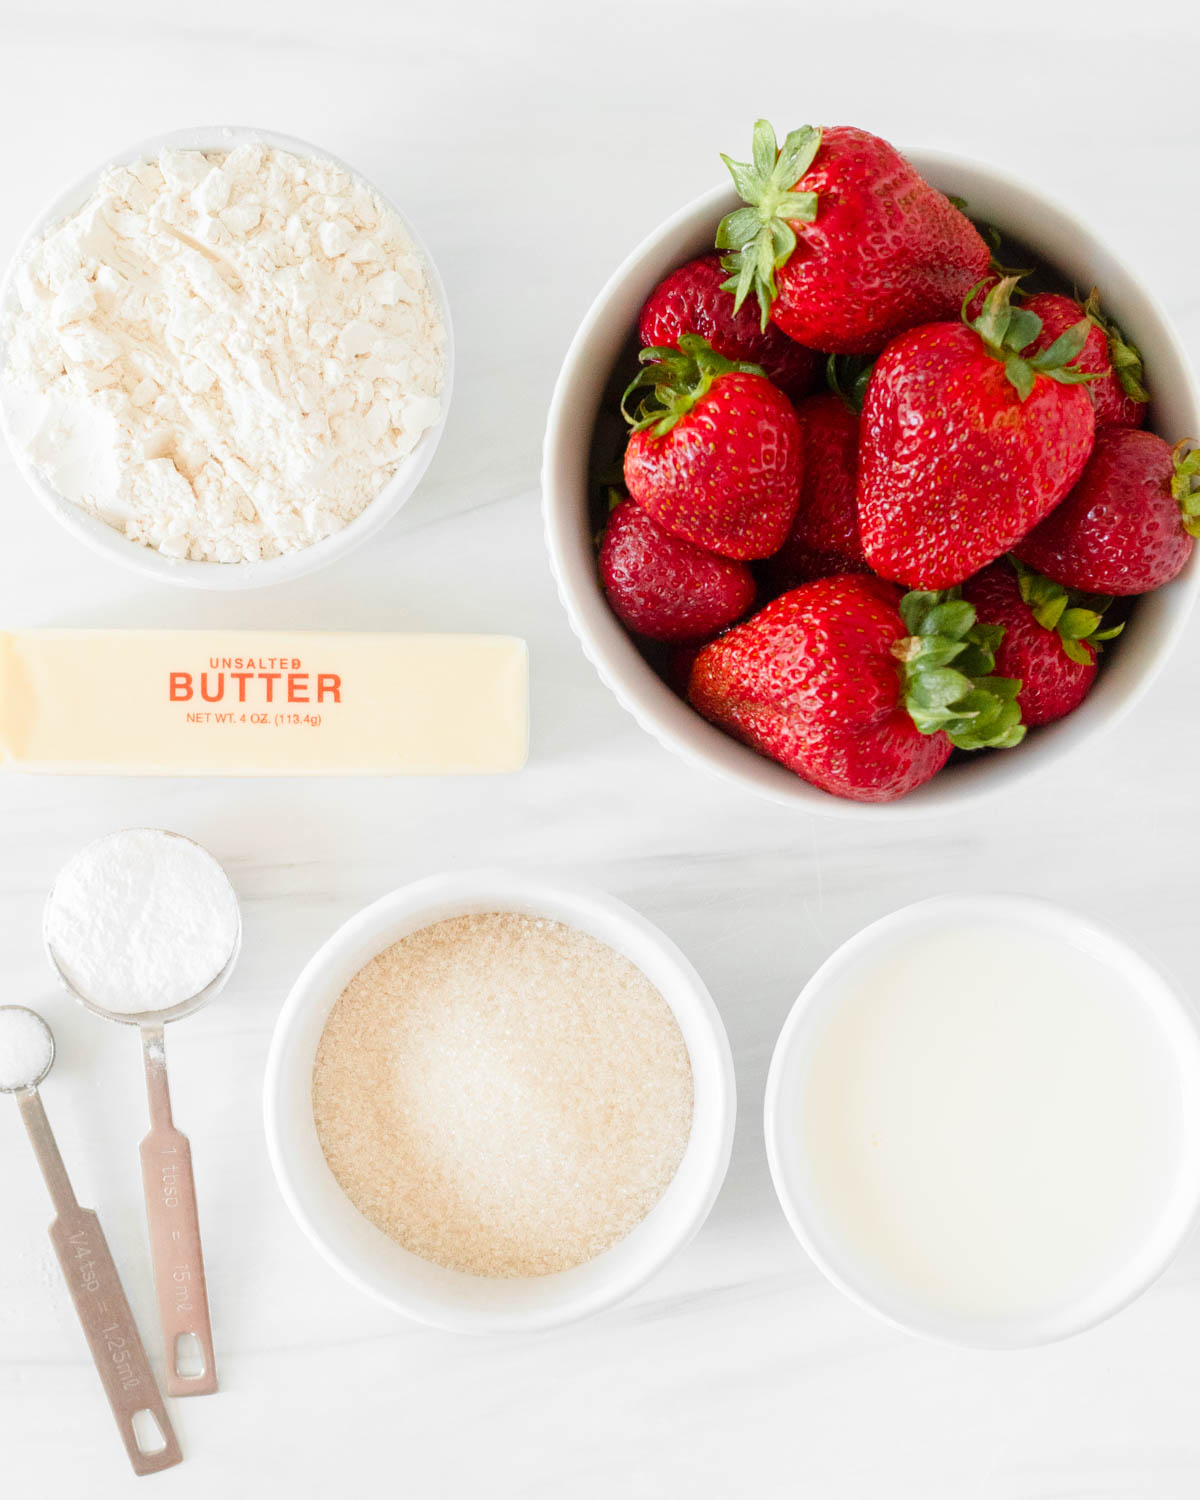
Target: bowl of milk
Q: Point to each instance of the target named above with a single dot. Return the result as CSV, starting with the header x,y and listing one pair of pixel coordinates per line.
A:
x,y
983,1120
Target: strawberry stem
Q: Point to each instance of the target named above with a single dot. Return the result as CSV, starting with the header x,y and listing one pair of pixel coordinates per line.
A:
x,y
1074,617
1125,358
760,237
977,710
1185,484
677,379
1007,331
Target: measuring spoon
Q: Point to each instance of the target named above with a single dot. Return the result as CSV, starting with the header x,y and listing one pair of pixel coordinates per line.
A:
x,y
92,1278
169,1186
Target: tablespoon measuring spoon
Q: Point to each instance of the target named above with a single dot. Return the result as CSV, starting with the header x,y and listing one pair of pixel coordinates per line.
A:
x,y
86,1262
139,897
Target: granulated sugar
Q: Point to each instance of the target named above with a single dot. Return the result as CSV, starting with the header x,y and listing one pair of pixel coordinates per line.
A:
x,y
502,1094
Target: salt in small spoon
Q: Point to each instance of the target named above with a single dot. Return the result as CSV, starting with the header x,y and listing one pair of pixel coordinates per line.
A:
x,y
88,1266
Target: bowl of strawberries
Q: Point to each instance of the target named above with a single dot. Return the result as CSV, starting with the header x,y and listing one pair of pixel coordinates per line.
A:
x,y
872,481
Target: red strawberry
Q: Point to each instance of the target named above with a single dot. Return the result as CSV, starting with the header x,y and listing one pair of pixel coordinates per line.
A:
x,y
667,589
715,454
1050,640
1119,396
849,683
824,537
967,442
843,242
1128,525
693,299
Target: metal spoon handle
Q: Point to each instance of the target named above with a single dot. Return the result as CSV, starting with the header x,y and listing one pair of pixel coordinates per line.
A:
x,y
95,1288
175,1235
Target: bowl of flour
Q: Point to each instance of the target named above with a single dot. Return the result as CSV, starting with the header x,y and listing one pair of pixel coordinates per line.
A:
x,y
225,358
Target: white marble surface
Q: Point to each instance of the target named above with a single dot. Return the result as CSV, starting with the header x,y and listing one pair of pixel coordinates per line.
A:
x,y
533,143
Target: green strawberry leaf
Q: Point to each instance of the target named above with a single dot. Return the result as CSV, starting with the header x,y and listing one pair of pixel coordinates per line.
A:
x,y
1008,331
936,651
952,617
1078,624
1125,358
737,227
1127,365
763,149
799,207
746,178
1076,652
977,711
1066,347
847,376
676,379
991,717
1074,377
1185,484
1076,618
979,653
1023,327
1020,376
796,155
935,688
995,315
759,237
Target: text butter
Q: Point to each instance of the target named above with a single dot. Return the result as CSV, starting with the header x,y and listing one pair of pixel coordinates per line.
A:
x,y
267,703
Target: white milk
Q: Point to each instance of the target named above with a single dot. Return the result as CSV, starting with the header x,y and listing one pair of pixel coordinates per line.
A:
x,y
989,1121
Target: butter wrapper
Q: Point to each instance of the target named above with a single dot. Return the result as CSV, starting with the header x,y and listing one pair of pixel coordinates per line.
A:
x,y
262,703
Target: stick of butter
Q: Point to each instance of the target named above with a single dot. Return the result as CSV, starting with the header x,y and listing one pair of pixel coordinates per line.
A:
x,y
261,703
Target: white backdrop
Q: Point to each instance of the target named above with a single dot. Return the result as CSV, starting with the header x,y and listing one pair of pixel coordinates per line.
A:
x,y
533,143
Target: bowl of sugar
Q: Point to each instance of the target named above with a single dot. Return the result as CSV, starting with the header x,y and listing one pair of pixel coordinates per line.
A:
x,y
983,1120
499,1104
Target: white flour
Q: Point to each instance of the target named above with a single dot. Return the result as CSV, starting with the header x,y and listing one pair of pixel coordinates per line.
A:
x,y
141,920
26,1047
225,355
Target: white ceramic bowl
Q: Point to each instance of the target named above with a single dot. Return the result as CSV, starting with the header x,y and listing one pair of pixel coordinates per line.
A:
x,y
106,539
1133,662
363,1254
1167,1009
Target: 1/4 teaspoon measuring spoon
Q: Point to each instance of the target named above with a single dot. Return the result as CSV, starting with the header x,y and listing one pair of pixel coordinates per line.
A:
x,y
87,1264
167,1179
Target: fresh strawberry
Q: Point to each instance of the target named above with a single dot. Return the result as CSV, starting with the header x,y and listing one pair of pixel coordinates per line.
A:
x,y
843,243
824,537
1129,525
715,454
667,589
849,683
693,299
1050,640
968,440
1119,396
